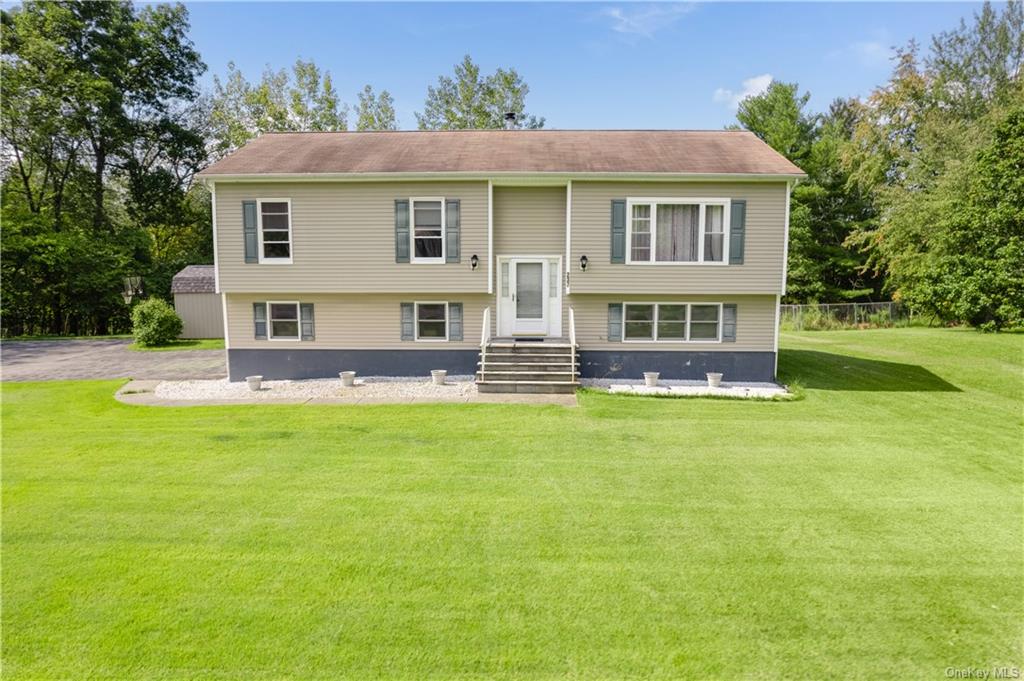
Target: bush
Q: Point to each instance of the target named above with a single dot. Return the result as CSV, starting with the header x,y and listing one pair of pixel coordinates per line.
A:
x,y
154,322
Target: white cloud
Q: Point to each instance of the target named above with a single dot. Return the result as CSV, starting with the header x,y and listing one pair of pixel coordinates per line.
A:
x,y
647,20
751,88
871,52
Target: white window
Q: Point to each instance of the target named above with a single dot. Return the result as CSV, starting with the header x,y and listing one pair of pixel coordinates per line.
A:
x,y
678,230
672,322
432,321
283,320
428,227
275,230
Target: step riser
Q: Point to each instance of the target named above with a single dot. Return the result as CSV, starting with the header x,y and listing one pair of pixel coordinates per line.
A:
x,y
534,357
529,351
565,377
532,368
524,388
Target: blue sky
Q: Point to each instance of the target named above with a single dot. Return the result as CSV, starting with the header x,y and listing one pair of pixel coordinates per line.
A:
x,y
627,65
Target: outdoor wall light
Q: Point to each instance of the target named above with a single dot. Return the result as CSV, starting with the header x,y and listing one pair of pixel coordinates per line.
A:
x,y
583,263
474,261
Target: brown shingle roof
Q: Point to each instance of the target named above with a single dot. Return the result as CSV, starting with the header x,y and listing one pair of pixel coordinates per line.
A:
x,y
194,279
507,151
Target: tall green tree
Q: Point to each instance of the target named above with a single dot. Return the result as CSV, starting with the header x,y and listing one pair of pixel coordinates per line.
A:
x,y
921,138
375,112
95,121
300,100
825,208
470,101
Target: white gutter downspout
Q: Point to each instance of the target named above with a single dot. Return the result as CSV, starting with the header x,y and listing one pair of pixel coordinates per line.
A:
x,y
785,269
213,219
568,232
490,237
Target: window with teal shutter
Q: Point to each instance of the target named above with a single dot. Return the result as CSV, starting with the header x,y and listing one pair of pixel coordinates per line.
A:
x,y
401,230
408,319
252,244
452,227
454,321
618,231
614,322
737,231
259,321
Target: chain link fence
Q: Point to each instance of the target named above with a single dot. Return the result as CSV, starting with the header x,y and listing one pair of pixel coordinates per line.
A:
x,y
828,316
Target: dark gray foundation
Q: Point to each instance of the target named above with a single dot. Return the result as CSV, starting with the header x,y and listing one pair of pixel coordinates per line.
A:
x,y
679,365
281,364
672,364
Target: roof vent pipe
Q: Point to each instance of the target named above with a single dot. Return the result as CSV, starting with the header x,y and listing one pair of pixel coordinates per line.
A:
x,y
510,120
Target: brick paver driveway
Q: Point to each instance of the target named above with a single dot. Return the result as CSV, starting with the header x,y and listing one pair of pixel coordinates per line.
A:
x,y
104,358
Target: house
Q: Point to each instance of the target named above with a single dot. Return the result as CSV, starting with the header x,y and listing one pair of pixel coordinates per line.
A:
x,y
197,302
540,254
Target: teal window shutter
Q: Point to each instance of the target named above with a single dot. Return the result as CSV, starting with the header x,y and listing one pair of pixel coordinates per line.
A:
x,y
737,231
306,316
729,323
252,243
401,230
259,320
408,321
618,230
454,321
451,228
614,322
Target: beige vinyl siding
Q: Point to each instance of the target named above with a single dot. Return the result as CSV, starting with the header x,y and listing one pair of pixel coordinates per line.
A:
x,y
761,271
343,238
529,221
755,322
201,314
354,322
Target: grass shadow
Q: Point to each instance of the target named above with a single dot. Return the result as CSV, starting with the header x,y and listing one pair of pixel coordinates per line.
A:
x,y
828,371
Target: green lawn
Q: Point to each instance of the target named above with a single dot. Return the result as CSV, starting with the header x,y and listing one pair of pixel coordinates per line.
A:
x,y
870,530
183,344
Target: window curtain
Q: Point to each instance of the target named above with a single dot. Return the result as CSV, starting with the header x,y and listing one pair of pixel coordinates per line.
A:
x,y
678,227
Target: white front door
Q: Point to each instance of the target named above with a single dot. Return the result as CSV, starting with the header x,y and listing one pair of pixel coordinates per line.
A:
x,y
529,297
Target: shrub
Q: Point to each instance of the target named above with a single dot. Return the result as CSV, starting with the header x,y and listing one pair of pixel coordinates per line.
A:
x,y
154,322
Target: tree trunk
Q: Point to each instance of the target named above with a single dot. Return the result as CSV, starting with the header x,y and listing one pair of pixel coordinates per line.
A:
x,y
98,216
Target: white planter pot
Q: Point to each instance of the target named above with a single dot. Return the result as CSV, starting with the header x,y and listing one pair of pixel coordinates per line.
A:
x,y
438,376
651,378
348,378
254,382
714,380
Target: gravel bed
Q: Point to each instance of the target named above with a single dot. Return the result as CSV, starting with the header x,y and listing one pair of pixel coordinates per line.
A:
x,y
680,388
390,388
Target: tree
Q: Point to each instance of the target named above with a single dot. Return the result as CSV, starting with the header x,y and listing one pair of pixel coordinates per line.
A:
x,y
299,101
777,116
96,126
922,142
471,102
375,112
824,209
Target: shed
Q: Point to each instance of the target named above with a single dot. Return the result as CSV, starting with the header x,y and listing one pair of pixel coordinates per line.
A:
x,y
197,303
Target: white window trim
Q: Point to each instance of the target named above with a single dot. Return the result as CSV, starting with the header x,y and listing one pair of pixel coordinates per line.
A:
x,y
298,320
682,200
416,320
412,231
259,233
689,319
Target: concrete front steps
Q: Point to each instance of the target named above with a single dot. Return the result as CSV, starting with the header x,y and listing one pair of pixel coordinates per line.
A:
x,y
518,366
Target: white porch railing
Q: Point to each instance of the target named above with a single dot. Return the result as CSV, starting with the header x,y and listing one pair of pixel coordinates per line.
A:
x,y
572,340
485,336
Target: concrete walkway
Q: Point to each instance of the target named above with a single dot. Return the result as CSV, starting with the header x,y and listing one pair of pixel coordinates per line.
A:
x,y
103,358
141,393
